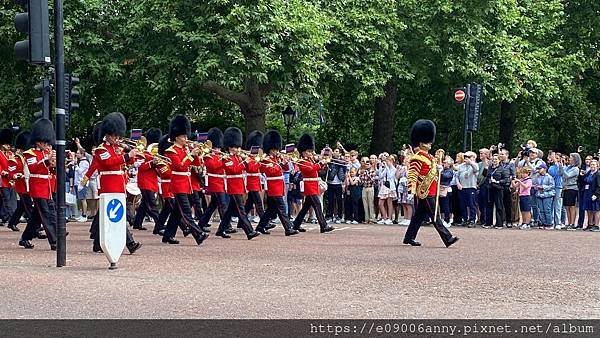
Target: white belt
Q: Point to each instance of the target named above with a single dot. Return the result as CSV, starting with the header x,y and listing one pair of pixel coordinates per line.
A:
x,y
165,181
235,176
181,173
39,176
114,172
275,178
253,174
215,175
310,179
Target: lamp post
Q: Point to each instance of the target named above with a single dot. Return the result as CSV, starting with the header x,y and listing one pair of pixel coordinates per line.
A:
x,y
288,119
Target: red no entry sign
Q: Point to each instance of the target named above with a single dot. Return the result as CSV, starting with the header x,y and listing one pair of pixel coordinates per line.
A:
x,y
459,95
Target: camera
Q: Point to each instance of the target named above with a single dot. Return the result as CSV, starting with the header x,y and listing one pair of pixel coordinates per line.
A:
x,y
525,150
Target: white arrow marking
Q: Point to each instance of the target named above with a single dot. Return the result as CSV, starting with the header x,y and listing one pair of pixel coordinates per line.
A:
x,y
114,211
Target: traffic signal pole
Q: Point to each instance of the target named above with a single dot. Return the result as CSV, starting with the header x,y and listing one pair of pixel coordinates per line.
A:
x,y
59,67
466,119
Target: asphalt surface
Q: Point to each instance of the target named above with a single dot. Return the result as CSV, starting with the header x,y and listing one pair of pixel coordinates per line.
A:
x,y
358,271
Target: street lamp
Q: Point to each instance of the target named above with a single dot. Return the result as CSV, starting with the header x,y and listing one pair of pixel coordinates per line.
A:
x,y
288,119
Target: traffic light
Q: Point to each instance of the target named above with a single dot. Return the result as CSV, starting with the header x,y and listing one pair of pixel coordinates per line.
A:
x,y
473,106
71,93
34,22
44,100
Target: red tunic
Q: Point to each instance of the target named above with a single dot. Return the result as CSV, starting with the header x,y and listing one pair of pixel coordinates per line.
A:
x,y
195,169
109,162
253,175
310,176
16,172
234,169
147,177
39,173
420,165
275,182
215,173
180,169
164,172
4,157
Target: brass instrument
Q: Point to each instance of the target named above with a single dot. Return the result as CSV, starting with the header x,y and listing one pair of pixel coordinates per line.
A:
x,y
139,145
246,154
153,150
205,147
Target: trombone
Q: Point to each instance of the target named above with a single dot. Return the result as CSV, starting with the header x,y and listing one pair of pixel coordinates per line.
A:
x,y
205,147
140,145
154,152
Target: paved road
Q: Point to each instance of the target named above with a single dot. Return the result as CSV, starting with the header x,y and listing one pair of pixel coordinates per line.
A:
x,y
359,271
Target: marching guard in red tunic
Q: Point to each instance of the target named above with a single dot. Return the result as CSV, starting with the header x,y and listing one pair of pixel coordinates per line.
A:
x,y
234,172
17,174
423,180
253,185
310,178
109,160
40,159
147,180
272,168
181,185
215,178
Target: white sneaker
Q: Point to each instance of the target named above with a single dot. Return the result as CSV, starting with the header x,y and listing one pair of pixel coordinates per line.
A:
x,y
348,222
404,222
524,227
388,222
255,219
381,221
559,227
337,221
354,222
447,224
82,219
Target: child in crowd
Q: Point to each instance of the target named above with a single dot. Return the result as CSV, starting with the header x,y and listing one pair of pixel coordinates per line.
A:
x,y
523,184
354,192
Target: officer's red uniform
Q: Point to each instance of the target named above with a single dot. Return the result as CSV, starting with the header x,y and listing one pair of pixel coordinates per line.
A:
x,y
310,176
420,165
252,175
40,185
275,182
215,173
234,171
180,169
109,163
147,177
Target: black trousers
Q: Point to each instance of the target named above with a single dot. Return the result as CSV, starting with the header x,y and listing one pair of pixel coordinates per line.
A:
x,y
181,214
96,232
507,203
455,205
44,213
424,210
495,199
310,202
148,206
235,207
165,212
275,207
8,206
218,201
254,200
196,203
25,206
335,201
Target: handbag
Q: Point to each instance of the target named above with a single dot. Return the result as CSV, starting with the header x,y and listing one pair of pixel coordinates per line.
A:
x,y
70,198
444,191
322,185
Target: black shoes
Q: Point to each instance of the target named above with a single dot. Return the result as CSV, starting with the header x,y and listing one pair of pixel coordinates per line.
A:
x,y
205,229
97,248
41,235
230,231
270,226
26,244
253,234
186,232
13,228
299,228
291,232
222,234
201,238
53,246
170,240
134,247
159,232
141,227
411,242
327,229
263,231
452,241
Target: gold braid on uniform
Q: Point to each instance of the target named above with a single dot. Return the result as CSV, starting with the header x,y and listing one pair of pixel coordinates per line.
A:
x,y
414,177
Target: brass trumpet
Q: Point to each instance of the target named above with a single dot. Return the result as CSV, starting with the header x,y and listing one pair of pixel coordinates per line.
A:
x,y
205,147
153,150
246,154
140,145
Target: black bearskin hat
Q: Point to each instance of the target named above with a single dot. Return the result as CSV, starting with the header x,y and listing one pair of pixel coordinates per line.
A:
x,y
180,125
215,135
423,131
42,130
114,124
153,135
163,144
255,139
97,134
272,140
6,136
232,137
22,140
306,142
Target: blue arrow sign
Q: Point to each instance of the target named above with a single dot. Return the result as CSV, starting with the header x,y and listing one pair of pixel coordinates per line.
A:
x,y
115,210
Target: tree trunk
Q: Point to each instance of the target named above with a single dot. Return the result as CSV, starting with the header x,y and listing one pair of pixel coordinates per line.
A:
x,y
508,117
255,108
383,120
